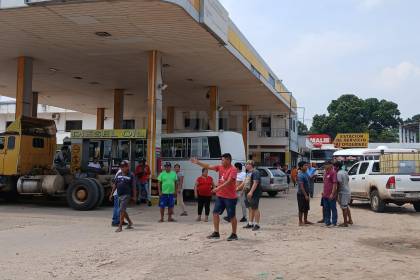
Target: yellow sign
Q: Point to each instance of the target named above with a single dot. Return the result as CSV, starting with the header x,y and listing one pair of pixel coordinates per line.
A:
x,y
109,134
76,157
352,140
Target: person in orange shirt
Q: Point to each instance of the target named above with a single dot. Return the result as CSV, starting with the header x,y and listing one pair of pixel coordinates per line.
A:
x,y
293,175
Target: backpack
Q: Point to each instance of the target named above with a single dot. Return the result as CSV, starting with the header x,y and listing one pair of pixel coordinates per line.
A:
x,y
247,183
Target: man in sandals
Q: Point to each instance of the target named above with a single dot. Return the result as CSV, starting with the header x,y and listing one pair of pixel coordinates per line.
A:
x,y
125,185
167,182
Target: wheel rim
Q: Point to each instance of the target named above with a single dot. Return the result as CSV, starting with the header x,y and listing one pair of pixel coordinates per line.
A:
x,y
80,195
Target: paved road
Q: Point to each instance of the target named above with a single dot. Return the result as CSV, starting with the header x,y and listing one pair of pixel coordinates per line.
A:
x,y
50,241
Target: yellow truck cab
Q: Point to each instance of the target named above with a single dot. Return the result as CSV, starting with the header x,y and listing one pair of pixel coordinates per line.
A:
x,y
27,147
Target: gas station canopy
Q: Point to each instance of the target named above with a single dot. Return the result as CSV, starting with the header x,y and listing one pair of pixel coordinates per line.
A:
x,y
83,50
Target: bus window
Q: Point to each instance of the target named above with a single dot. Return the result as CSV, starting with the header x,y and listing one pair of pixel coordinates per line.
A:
x,y
107,153
174,148
214,147
200,147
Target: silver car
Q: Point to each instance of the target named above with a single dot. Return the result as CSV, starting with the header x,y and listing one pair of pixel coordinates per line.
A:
x,y
273,180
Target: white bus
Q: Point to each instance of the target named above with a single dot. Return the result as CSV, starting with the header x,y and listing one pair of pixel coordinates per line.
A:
x,y
351,156
319,156
208,147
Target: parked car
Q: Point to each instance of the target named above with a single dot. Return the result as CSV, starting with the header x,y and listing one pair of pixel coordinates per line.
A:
x,y
367,182
273,180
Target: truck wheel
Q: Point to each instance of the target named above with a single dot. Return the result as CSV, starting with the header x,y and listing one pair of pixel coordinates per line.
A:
x,y
12,194
376,203
272,193
417,206
82,195
101,191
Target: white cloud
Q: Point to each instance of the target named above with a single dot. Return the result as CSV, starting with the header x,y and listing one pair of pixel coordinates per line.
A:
x,y
370,4
397,76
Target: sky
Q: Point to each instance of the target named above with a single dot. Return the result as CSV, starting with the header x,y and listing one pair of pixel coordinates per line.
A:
x,y
322,49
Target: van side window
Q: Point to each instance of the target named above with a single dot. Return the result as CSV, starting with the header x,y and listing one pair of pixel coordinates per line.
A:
x,y
1,143
363,168
353,170
38,143
11,142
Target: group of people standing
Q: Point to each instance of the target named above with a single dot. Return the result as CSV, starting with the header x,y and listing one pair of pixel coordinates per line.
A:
x,y
233,184
336,189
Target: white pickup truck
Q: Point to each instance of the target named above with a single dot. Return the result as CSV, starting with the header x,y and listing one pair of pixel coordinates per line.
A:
x,y
368,183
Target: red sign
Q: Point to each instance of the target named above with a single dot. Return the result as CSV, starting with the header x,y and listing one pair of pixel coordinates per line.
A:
x,y
320,139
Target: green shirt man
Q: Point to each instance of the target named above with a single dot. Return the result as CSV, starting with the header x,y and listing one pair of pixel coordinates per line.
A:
x,y
168,182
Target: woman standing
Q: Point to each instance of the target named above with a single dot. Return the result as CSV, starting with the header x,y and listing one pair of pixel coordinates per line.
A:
x,y
180,189
202,190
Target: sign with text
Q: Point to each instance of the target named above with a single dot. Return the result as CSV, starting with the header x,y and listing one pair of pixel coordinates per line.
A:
x,y
319,138
352,140
109,134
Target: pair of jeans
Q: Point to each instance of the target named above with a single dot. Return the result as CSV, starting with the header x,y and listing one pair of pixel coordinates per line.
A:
x,y
143,188
116,211
330,211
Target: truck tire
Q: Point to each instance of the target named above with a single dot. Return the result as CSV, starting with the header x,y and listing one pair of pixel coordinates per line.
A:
x,y
376,203
82,195
417,206
101,191
272,193
12,194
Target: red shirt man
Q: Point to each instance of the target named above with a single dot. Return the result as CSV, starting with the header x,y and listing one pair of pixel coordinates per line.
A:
x,y
226,197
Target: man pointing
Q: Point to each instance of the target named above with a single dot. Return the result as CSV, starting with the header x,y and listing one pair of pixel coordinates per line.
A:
x,y
226,196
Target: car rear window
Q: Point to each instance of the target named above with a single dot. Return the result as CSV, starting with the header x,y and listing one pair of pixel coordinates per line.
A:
x,y
276,172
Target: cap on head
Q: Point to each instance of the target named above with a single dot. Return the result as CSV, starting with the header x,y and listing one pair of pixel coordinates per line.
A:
x,y
124,163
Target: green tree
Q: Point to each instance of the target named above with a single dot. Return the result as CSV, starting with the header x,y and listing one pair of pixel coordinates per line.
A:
x,y
351,114
302,128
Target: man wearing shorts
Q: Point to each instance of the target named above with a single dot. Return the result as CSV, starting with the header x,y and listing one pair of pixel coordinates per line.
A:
x,y
253,196
344,193
226,197
125,185
303,194
167,182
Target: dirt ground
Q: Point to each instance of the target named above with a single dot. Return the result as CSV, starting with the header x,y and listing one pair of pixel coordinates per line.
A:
x,y
50,241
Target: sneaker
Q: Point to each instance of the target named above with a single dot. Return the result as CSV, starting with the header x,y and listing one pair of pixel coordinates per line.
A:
x,y
255,228
232,237
248,226
226,219
214,235
243,220
184,213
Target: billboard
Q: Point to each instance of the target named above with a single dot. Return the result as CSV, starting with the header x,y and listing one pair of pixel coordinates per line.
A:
x,y
352,140
320,139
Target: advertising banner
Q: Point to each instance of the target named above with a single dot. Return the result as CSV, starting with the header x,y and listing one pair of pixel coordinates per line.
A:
x,y
352,140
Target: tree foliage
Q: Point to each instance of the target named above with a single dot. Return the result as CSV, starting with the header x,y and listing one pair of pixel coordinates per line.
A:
x,y
351,114
302,128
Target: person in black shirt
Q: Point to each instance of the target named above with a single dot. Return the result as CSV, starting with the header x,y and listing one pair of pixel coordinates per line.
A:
x,y
125,185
